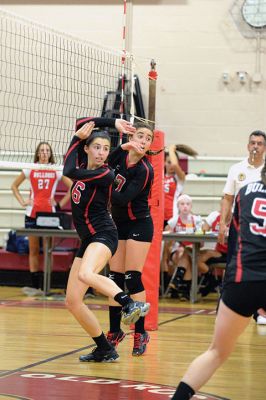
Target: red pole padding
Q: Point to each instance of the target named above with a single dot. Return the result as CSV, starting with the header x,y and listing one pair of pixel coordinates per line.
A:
x,y
151,271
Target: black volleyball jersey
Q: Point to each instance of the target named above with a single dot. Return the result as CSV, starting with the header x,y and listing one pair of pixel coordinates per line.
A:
x,y
131,188
248,263
90,193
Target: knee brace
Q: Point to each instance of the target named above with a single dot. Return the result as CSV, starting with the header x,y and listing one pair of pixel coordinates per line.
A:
x,y
118,278
133,282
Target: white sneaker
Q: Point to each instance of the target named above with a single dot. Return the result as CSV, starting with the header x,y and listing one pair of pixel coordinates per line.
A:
x,y
261,320
30,291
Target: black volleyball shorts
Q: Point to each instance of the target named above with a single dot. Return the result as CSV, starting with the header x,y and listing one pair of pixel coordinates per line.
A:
x,y
245,298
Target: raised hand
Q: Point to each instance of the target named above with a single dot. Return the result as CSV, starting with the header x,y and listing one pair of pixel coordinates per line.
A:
x,y
131,145
85,131
124,126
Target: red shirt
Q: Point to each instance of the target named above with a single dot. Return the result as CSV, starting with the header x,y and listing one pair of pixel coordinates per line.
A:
x,y
172,188
43,186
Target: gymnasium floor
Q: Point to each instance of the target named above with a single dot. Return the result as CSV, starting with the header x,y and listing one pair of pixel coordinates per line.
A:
x,y
40,344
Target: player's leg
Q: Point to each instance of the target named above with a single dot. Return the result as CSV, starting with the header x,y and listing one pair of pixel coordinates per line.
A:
x,y
75,292
96,256
115,334
136,253
228,327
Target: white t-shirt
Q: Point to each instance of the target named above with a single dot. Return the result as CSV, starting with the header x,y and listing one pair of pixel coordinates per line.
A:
x,y
239,175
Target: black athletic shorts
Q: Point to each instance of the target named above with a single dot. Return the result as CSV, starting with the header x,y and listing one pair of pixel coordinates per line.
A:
x,y
30,223
245,298
109,238
140,230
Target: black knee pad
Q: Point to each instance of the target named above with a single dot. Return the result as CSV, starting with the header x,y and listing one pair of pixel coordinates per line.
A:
x,y
134,282
118,278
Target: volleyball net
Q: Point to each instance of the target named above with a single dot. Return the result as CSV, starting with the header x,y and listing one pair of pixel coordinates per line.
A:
x,y
47,80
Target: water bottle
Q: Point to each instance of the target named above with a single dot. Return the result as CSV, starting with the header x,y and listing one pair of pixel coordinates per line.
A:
x,y
198,225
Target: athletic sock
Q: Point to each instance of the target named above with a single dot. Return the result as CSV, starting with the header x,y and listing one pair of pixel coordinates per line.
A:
x,y
41,278
35,279
123,299
102,342
139,325
183,392
115,318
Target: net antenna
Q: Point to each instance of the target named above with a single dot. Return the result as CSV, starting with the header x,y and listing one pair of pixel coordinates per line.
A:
x,y
48,79
127,49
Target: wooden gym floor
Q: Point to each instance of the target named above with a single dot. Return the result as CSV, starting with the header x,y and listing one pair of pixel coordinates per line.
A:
x,y
40,343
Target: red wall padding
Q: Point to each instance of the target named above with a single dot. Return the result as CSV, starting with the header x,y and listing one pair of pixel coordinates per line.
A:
x,y
13,261
151,272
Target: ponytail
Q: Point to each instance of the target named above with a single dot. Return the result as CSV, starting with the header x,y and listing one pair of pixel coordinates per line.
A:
x,y
154,152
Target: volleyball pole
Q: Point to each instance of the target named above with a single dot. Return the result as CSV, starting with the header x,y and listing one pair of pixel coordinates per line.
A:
x,y
151,271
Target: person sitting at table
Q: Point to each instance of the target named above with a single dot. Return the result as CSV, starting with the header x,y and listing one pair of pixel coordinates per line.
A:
x,y
180,254
43,183
213,253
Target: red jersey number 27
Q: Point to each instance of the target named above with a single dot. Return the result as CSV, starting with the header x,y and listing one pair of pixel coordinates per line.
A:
x,y
259,211
76,194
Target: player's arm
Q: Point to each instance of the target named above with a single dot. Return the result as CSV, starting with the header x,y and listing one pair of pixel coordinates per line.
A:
x,y
174,161
15,189
100,176
121,125
114,157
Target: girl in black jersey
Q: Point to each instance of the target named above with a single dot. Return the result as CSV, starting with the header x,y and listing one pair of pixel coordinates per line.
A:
x,y
90,195
130,211
244,287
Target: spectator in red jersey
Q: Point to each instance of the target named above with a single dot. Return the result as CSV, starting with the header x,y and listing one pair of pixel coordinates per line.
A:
x,y
174,178
43,183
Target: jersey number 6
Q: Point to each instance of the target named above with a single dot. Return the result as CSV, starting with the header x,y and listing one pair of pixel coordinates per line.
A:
x,y
76,191
258,211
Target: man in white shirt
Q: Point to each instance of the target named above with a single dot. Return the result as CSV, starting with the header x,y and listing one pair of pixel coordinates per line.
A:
x,y
240,174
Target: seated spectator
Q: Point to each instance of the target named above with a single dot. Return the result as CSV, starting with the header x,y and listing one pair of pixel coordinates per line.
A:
x,y
173,184
214,254
174,178
184,222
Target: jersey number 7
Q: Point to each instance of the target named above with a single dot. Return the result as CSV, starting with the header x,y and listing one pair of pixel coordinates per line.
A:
x,y
120,181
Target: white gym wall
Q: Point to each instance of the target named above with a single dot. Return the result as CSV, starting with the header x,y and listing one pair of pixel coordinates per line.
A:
x,y
193,43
